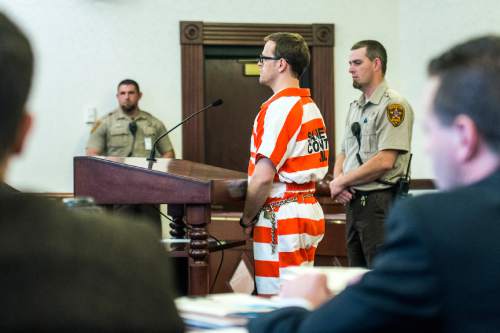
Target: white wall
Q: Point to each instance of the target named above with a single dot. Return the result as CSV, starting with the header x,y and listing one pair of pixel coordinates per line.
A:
x,y
84,47
427,29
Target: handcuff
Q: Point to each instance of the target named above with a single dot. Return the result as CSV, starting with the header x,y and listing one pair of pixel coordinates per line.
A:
x,y
251,224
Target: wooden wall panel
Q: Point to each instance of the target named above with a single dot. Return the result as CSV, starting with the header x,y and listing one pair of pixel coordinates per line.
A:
x,y
193,131
323,91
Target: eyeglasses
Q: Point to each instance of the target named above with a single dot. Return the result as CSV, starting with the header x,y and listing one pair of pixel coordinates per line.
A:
x,y
261,58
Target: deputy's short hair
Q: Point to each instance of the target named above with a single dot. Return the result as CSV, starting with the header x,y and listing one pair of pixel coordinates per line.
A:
x,y
129,82
374,49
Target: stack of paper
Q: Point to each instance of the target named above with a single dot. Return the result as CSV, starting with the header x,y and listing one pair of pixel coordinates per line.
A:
x,y
222,310
338,278
219,311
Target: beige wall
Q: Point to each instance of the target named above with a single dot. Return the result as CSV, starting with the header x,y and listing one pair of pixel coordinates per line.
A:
x,y
426,29
84,47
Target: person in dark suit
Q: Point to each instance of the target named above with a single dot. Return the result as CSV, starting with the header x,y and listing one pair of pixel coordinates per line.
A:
x,y
67,271
439,269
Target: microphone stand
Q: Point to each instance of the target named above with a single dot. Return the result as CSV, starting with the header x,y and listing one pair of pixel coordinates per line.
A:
x,y
151,159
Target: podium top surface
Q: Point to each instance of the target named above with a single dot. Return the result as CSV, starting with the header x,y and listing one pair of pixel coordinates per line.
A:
x,y
178,167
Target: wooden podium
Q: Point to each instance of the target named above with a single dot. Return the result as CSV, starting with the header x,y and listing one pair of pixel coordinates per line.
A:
x,y
192,186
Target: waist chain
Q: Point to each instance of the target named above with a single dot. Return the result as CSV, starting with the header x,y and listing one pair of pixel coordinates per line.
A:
x,y
269,214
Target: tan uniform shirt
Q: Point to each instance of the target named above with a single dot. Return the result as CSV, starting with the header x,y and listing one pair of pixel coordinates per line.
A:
x,y
386,121
111,135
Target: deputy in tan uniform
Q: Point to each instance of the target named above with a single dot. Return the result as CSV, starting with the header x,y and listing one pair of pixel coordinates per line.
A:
x,y
375,152
128,131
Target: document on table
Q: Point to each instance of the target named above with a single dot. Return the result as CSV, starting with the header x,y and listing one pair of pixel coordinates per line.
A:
x,y
338,278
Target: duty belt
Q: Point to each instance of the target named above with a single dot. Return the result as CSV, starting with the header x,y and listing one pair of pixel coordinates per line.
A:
x,y
269,214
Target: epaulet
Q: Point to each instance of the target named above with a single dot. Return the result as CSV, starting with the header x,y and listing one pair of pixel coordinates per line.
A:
x,y
145,113
109,114
393,96
148,116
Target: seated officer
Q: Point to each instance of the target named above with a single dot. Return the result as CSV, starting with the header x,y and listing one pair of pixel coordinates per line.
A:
x,y
128,131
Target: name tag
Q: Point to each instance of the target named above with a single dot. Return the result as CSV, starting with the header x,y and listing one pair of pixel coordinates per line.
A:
x,y
147,143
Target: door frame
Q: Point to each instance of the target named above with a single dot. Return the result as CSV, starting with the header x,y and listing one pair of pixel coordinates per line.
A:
x,y
195,35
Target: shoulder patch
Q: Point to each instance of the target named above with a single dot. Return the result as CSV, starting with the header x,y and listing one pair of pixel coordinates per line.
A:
x,y
395,113
96,126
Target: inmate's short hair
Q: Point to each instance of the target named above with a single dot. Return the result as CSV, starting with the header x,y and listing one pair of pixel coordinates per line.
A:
x,y
293,48
16,72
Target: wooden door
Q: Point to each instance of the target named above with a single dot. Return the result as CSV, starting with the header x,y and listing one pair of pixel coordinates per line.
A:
x,y
228,129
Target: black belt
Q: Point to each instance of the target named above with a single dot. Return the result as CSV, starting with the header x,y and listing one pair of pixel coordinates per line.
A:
x,y
359,192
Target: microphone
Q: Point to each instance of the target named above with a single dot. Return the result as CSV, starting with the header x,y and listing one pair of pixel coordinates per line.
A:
x,y
356,131
151,159
132,126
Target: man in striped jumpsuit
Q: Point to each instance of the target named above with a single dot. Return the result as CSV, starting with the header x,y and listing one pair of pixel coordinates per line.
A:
x,y
288,154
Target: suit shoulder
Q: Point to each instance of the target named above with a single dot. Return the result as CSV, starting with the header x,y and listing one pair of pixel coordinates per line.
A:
x,y
54,219
417,208
118,229
431,210
418,202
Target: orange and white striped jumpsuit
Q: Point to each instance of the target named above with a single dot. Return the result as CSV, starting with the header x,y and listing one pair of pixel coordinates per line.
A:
x,y
290,131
